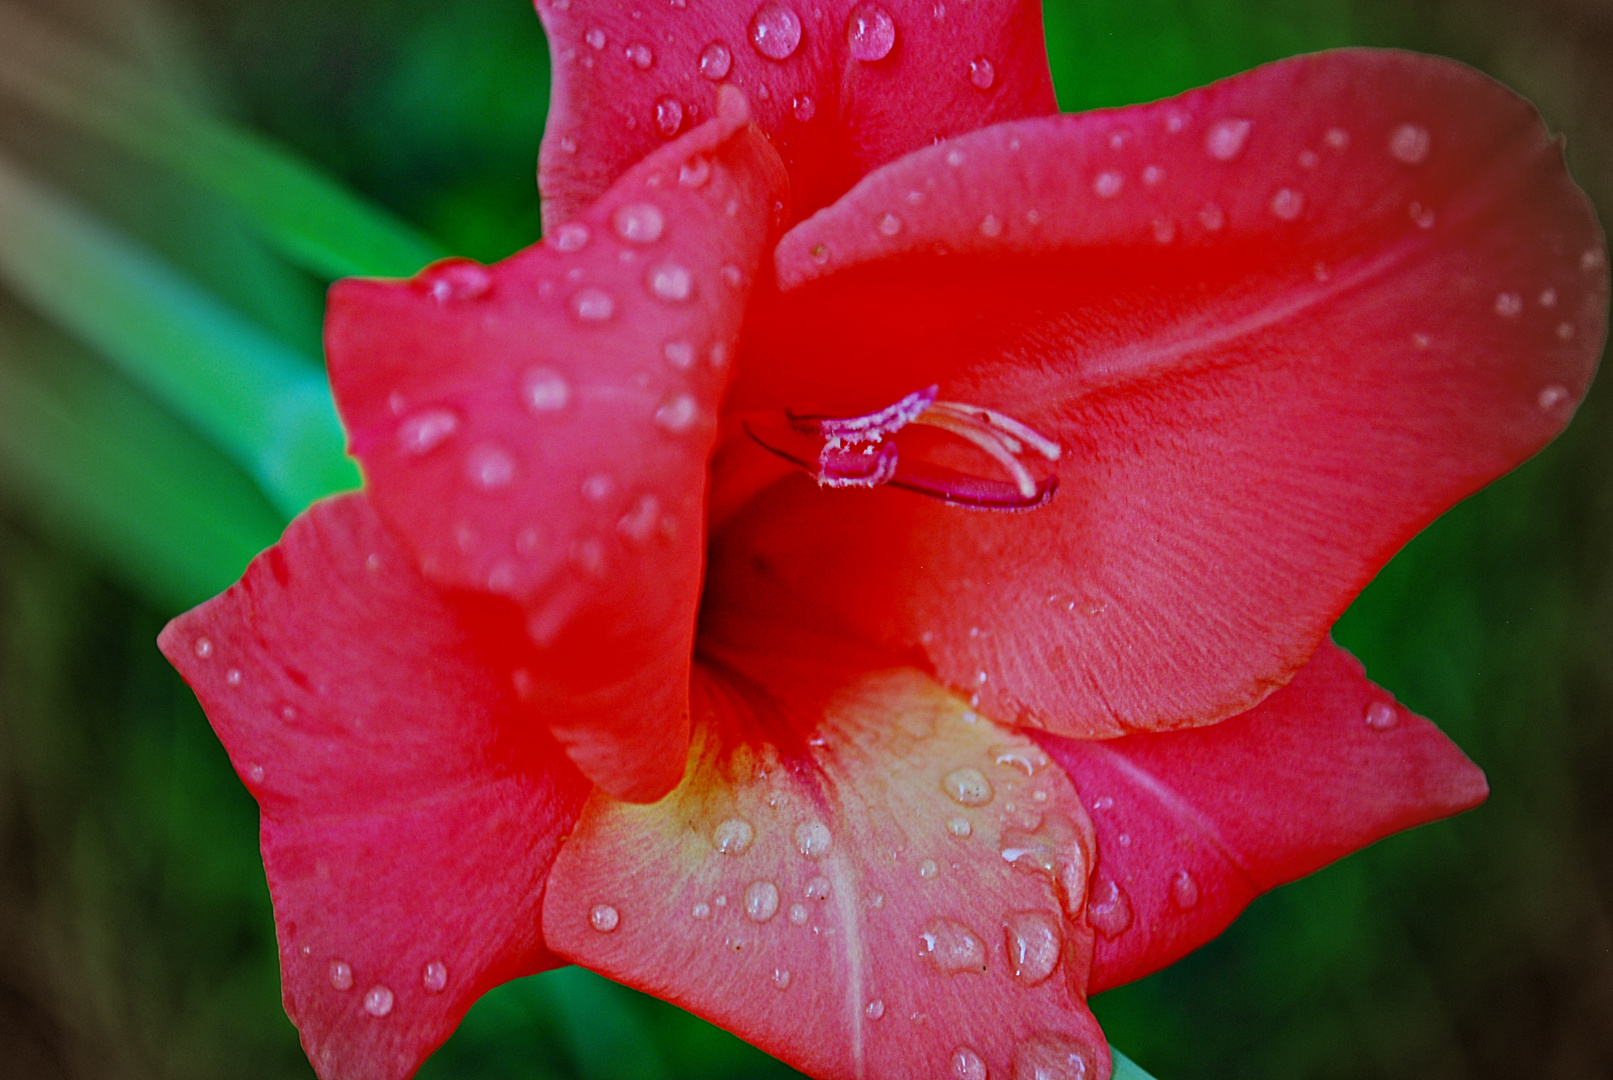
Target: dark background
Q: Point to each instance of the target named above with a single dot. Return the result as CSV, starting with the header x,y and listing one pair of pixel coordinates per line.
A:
x,y
135,932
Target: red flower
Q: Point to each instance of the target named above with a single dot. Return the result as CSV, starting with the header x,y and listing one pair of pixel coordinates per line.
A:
x,y
934,778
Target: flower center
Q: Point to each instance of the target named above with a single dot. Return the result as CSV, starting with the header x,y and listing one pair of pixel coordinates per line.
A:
x,y
862,451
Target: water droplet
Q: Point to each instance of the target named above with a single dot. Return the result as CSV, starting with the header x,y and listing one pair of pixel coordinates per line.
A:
x,y
733,837
1109,908
982,73
595,38
874,901
890,224
604,918
1591,259
715,60
870,33
1410,144
731,275
1224,141
818,889
671,282
1108,184
233,676
991,226
378,1001
1287,204
639,55
967,1064
1028,758
928,869
1035,944
775,31
677,414
203,648
680,354
967,786
1049,1055
799,914
959,826
1309,159
544,390
1381,716
954,158
254,772
638,525
434,977
425,431
1548,298
701,910
592,305
804,107
341,975
456,279
639,223
1124,839
761,900
1152,175
1508,305
587,555
875,1009
721,901
1337,138
781,978
490,468
952,947
1212,217
668,116
1164,230
572,236
1184,891
813,839
1565,331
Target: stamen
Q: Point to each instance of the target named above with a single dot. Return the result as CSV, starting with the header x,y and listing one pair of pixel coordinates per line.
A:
x,y
988,440
1006,424
875,425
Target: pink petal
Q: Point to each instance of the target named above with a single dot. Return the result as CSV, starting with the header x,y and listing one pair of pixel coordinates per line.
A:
x,y
627,76
540,429
411,806
1254,416
1192,825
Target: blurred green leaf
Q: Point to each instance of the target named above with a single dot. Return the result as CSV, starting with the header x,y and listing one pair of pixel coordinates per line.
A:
x,y
260,402
1125,1068
310,219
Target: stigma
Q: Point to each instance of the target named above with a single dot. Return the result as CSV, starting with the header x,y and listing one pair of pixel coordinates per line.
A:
x,y
958,453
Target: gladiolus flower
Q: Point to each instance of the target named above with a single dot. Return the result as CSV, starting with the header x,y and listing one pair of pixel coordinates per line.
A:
x,y
866,576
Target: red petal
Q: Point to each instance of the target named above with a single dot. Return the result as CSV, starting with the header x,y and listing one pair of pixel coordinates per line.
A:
x,y
625,76
1254,417
1192,825
540,428
411,807
812,887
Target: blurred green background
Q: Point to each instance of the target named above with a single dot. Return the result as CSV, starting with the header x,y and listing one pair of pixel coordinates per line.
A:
x,y
179,180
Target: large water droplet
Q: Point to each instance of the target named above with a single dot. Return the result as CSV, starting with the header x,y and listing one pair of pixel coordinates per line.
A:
x,y
604,918
1224,141
928,869
203,648
781,978
1381,716
874,1009
434,977
1287,204
677,414
592,305
639,223
818,889
959,826
813,839
1109,908
870,33
1108,184
1035,944
670,282
490,468
967,1064
775,31
1049,1055
715,60
668,116
595,38
1410,143
544,390
425,431
1027,758
1553,394
733,837
890,224
341,975
680,354
761,900
456,279
378,1001
952,947
572,236
639,55
702,910
967,786
982,73
1185,890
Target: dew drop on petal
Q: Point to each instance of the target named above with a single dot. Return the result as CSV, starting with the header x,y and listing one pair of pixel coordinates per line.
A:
x,y
967,786
1381,716
572,236
952,947
639,55
203,648
799,914
702,910
680,354
775,31
1035,944
592,305
254,772
804,107
890,224
813,839
1410,143
870,33
639,223
425,431
490,468
694,173
1108,184
1028,759
733,837
1337,138
1049,1055
761,900
1224,141
874,1009
668,116
1164,230
954,158
638,525
604,918
544,390
982,73
1565,331
434,977
1590,260
1287,204
1508,305
341,975
1548,298
928,869
1309,159
991,226
378,1001
677,414
1553,395
1421,216
781,978
456,279
818,889
1184,890
959,826
1109,908
1152,175
671,282
1212,217
715,60
967,1064
233,676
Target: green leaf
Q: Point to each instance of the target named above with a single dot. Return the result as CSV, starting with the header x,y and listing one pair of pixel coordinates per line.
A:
x,y
1125,1068
260,402
311,220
